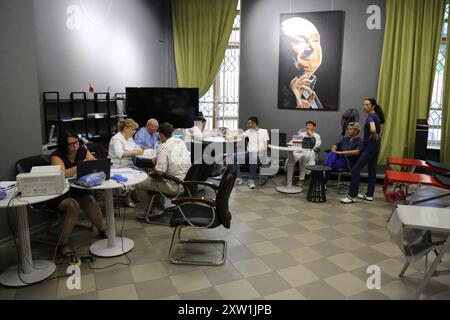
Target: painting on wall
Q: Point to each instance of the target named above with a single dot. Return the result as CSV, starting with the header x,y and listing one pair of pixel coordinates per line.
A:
x,y
310,58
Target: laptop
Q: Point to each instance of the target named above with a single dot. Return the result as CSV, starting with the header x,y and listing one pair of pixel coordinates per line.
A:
x,y
92,166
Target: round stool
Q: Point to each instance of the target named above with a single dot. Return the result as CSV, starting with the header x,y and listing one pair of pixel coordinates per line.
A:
x,y
316,192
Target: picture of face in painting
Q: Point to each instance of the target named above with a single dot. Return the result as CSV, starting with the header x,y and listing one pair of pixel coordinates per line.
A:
x,y
305,44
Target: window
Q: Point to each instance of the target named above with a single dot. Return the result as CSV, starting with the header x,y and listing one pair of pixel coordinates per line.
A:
x,y
220,105
435,115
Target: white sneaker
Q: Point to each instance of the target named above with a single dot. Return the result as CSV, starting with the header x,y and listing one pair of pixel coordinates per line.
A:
x,y
251,184
348,200
239,181
365,197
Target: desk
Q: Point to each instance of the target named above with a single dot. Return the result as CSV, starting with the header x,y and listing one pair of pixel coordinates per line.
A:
x,y
114,246
30,271
426,218
289,188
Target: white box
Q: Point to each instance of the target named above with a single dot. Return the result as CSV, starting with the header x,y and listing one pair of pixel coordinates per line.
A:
x,y
41,183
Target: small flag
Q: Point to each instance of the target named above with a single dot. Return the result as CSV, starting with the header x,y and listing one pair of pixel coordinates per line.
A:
x,y
91,87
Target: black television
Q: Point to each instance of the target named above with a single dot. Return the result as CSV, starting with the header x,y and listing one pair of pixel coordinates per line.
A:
x,y
178,106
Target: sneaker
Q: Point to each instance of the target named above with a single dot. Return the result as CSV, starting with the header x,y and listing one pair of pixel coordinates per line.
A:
x,y
251,184
239,181
301,183
365,197
348,200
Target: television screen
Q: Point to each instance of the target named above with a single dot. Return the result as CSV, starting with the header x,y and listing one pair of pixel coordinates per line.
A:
x,y
178,106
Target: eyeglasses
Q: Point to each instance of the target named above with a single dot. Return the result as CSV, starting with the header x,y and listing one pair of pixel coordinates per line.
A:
x,y
73,143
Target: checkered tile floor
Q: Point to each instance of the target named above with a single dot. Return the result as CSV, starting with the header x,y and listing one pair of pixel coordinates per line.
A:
x,y
279,247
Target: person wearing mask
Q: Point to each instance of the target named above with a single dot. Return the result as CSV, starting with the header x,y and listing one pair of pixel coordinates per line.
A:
x,y
369,157
306,157
122,149
173,159
346,152
147,137
69,152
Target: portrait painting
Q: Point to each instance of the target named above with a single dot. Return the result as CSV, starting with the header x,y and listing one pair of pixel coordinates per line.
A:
x,y
310,59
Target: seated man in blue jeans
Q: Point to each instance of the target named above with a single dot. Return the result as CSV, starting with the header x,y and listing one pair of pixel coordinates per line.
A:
x,y
345,151
257,147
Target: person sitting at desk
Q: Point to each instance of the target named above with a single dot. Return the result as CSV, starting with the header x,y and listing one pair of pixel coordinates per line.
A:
x,y
198,132
257,147
147,137
306,157
122,148
345,153
173,159
70,151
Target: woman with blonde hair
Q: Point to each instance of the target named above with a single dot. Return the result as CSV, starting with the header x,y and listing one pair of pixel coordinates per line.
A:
x,y
122,149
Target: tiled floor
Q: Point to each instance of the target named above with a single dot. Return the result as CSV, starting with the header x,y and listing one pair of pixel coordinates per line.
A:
x,y
279,247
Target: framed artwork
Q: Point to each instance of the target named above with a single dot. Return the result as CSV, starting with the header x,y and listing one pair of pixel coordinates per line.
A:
x,y
310,59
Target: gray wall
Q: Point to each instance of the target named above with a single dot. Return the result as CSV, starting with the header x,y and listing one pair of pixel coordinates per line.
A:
x,y
361,59
19,107
39,53
129,47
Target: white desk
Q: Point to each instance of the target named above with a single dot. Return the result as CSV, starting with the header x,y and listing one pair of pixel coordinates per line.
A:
x,y
220,139
114,246
289,188
426,218
30,271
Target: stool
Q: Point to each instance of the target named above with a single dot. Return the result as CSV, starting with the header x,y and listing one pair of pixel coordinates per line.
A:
x,y
316,192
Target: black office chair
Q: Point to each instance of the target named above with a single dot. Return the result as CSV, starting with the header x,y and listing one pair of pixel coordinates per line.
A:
x,y
24,165
196,173
98,150
203,213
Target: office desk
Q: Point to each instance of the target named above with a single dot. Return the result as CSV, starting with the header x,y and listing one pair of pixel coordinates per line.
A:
x,y
289,188
426,218
30,271
114,246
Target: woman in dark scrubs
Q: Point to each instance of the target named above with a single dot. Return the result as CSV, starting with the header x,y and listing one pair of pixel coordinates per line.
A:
x,y
369,157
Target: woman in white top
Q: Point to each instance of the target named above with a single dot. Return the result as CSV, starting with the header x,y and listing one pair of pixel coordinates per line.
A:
x,y
122,148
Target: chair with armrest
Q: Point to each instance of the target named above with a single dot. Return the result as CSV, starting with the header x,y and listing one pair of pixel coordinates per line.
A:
x,y
197,172
203,213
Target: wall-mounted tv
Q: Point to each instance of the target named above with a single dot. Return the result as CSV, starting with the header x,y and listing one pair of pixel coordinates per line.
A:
x,y
178,106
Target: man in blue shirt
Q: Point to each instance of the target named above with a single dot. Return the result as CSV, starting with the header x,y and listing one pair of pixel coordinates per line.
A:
x,y
147,137
344,153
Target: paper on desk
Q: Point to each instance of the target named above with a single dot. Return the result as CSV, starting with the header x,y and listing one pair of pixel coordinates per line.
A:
x,y
121,171
149,152
7,185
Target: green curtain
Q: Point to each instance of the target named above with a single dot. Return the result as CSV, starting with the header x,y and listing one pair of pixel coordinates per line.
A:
x,y
445,133
201,30
411,45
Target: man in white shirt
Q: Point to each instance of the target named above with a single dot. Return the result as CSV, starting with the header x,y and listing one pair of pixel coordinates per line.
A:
x,y
256,149
197,133
173,159
307,157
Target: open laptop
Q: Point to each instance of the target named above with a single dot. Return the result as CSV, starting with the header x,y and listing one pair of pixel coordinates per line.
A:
x,y
92,166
